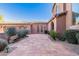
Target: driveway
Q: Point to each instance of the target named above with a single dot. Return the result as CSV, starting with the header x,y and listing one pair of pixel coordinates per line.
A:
x,y
41,45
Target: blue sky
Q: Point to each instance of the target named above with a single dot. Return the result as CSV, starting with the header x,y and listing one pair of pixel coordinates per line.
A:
x,y
75,8
26,11
29,11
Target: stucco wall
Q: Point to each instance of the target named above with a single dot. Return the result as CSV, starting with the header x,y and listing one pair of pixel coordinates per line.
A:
x,y
39,28
60,6
54,10
32,27
68,15
49,26
55,25
61,24
17,26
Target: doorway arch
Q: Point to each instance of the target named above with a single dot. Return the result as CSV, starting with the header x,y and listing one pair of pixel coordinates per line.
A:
x,y
52,26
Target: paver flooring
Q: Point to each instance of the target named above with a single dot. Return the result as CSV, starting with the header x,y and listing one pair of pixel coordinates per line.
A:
x,y
41,45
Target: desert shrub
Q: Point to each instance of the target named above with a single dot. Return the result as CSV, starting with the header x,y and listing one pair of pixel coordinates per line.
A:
x,y
53,34
77,36
11,31
70,36
61,37
22,33
3,44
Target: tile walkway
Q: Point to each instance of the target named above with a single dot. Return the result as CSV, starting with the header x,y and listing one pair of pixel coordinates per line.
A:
x,y
41,45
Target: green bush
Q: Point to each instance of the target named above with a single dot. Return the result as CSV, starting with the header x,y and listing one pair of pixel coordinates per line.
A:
x,y
3,44
10,31
53,34
22,33
70,36
77,36
61,37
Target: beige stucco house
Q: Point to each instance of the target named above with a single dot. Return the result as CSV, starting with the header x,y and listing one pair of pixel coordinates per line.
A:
x,y
31,27
61,20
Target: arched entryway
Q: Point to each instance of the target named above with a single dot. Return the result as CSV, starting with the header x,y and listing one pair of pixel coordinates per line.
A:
x,y
52,26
